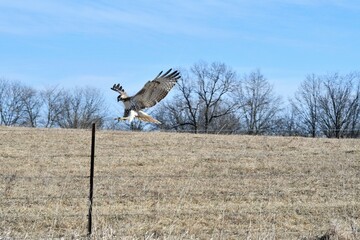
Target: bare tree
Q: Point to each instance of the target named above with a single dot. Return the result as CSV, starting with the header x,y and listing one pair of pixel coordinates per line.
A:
x,y
11,103
286,123
354,118
339,105
181,113
306,105
259,104
175,115
202,99
227,124
31,106
215,83
81,108
53,100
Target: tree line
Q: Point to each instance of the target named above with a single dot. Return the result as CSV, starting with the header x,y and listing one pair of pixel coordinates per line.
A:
x,y
209,98
22,105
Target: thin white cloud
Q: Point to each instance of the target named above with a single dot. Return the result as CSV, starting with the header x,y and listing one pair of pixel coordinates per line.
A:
x,y
32,17
145,20
345,4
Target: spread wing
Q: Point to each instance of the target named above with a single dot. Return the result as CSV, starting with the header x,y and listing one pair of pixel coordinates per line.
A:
x,y
119,89
154,91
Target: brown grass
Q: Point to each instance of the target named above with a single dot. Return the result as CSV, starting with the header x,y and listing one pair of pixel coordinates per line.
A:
x,y
178,186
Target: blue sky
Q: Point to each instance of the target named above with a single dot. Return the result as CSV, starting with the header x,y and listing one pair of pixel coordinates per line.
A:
x,y
99,43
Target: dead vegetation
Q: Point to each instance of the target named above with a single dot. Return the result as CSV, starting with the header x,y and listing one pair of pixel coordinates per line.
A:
x,y
178,186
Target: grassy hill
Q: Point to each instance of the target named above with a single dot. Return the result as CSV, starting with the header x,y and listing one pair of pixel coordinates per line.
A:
x,y
177,186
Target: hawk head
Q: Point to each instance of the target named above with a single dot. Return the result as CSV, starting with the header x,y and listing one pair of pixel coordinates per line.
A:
x,y
119,98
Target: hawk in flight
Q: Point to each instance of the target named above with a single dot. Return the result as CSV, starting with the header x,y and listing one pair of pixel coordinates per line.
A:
x,y
152,93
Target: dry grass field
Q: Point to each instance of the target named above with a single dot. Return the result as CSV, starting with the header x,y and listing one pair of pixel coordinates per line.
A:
x,y
177,186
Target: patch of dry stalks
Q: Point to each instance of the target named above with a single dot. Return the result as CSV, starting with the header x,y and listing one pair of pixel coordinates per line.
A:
x,y
178,186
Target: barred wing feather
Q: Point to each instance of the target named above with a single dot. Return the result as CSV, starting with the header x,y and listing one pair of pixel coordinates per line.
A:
x,y
154,91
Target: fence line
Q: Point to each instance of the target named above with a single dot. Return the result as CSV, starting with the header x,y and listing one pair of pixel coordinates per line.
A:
x,y
119,215
115,196
230,132
210,176
246,231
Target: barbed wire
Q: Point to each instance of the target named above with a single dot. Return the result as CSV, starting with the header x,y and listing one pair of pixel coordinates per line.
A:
x,y
163,176
33,198
14,176
149,213
245,230
201,131
260,195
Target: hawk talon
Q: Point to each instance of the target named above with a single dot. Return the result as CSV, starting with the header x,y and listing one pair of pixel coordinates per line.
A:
x,y
120,119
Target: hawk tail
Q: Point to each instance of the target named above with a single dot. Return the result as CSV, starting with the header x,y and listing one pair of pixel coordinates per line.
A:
x,y
147,118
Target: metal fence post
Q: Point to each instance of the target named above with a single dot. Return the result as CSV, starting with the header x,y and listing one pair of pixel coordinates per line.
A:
x,y
92,158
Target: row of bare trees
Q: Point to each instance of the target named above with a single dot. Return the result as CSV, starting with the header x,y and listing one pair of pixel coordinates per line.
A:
x,y
328,105
209,98
21,105
212,98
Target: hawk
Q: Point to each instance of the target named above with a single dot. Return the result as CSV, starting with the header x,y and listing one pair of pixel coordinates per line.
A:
x,y
152,93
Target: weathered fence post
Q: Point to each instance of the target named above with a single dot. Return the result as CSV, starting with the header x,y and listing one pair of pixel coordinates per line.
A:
x,y
92,158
